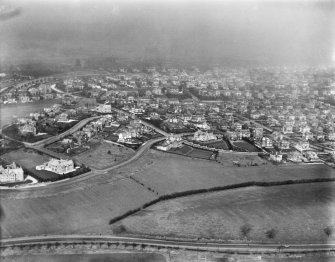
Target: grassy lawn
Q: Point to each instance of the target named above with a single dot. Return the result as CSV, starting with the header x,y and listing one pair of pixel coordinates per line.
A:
x,y
82,208
298,213
168,173
99,158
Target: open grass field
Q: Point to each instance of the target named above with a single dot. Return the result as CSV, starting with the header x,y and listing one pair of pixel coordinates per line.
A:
x,y
81,209
29,159
88,206
168,173
117,257
298,213
99,158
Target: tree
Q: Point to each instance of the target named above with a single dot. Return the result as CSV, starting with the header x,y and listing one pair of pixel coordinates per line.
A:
x,y
328,231
119,229
245,230
109,152
271,234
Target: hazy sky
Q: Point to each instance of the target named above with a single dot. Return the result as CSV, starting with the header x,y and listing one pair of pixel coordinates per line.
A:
x,y
277,32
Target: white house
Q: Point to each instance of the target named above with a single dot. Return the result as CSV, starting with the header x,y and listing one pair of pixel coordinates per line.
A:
x,y
203,136
58,166
12,173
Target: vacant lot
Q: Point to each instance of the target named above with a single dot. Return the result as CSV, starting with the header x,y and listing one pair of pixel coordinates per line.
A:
x,y
298,213
29,159
104,155
168,173
82,209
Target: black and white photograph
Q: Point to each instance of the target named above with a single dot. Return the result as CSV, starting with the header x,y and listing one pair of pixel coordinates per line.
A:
x,y
167,130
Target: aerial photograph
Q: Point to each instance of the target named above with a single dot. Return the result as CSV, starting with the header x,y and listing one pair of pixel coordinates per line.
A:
x,y
167,130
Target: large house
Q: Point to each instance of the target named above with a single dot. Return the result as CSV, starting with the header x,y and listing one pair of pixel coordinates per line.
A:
x,y
12,173
58,166
203,136
266,142
104,108
302,146
28,128
173,141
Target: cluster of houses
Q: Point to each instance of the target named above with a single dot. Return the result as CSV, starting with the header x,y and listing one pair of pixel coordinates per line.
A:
x,y
204,136
29,91
172,141
135,129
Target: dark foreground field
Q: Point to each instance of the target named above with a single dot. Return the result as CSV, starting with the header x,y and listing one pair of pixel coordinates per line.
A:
x,y
82,209
297,213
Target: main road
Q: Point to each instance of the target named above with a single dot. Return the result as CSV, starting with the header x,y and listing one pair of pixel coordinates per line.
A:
x,y
192,245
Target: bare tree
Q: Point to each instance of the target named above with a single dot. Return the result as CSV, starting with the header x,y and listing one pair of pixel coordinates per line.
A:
x,y
245,230
271,234
328,231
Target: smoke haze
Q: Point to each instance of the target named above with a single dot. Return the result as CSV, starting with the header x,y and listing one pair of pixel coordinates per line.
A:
x,y
260,32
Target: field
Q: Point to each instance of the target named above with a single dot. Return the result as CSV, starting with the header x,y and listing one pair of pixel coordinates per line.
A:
x,y
169,173
245,146
29,159
88,206
103,155
81,208
117,257
298,213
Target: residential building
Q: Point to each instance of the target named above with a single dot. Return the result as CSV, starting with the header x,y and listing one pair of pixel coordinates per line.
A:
x,y
204,136
58,166
12,173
